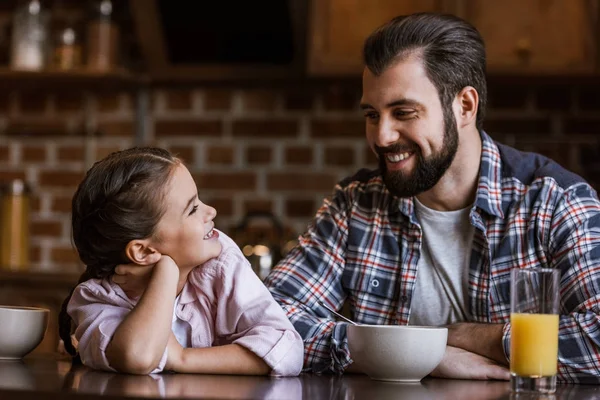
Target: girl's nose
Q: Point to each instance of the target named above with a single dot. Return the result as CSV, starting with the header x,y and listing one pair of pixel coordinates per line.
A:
x,y
210,214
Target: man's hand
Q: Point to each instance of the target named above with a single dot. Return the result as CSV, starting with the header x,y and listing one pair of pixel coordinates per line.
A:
x,y
133,278
461,364
479,338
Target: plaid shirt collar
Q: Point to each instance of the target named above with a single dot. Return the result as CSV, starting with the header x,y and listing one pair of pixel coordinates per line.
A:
x,y
489,188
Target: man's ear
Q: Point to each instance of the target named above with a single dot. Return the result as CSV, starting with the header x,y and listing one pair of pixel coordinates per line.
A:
x,y
467,105
141,252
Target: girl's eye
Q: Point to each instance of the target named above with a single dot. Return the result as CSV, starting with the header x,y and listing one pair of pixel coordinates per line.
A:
x,y
194,209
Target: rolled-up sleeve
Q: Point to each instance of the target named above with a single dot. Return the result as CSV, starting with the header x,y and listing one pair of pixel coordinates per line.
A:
x,y
248,315
97,313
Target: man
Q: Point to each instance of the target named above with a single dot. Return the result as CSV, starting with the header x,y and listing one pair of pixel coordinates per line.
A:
x,y
431,236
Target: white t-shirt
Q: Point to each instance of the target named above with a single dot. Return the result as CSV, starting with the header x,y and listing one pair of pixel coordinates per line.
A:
x,y
182,329
440,295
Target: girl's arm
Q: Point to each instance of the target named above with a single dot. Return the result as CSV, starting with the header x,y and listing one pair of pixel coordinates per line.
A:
x,y
230,359
139,342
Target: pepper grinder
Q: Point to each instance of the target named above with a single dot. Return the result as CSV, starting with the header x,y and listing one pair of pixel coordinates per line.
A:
x,y
14,226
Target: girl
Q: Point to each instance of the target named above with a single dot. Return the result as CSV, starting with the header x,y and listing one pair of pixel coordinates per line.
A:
x,y
202,310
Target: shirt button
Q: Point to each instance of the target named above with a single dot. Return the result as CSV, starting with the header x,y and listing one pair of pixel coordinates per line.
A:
x,y
404,299
375,283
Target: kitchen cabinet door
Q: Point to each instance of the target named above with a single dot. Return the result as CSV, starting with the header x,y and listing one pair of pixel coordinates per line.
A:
x,y
338,28
536,36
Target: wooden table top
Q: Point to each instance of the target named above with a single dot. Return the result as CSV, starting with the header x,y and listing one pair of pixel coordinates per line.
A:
x,y
53,378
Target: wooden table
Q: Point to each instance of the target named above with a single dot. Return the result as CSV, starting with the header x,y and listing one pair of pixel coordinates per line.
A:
x,y
53,378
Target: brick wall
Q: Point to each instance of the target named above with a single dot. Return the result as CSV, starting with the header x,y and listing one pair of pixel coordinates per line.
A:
x,y
277,149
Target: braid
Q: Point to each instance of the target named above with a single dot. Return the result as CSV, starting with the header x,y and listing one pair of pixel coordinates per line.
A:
x,y
64,319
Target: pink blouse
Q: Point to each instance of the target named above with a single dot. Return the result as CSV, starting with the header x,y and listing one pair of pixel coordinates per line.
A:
x,y
223,301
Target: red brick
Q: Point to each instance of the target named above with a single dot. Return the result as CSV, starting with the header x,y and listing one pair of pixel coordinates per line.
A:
x,y
527,125
260,100
300,208
223,205
4,152
341,98
35,254
5,101
188,127
258,155
178,99
370,157
557,151
346,128
506,96
35,203
299,155
107,101
60,178
104,150
272,128
299,100
227,181
185,153
46,228
339,156
116,128
588,98
61,204
31,153
556,97
71,153
64,255
7,176
220,154
217,99
583,125
300,181
33,128
33,102
69,101
253,205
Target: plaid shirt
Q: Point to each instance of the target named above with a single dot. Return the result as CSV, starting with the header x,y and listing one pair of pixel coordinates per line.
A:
x,y
364,245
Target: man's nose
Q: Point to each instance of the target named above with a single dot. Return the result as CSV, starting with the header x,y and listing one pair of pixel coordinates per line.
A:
x,y
386,133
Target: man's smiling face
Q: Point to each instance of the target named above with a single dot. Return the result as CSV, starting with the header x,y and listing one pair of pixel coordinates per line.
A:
x,y
406,129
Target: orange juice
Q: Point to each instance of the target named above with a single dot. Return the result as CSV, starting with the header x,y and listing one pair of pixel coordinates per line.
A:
x,y
533,344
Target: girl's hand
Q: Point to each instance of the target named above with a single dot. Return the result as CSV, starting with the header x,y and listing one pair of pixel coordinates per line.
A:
x,y
174,354
133,278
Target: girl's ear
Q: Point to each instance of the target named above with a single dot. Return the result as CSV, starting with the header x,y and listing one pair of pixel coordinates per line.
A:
x,y
142,253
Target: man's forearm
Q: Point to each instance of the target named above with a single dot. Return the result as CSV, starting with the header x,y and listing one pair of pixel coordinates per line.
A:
x,y
482,339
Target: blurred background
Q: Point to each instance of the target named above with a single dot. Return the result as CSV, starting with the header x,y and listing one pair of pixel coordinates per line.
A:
x,y
259,98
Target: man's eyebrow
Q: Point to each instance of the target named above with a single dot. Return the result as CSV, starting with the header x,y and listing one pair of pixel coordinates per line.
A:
x,y
399,102
190,201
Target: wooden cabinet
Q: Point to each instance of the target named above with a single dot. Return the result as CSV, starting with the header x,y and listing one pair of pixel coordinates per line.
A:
x,y
536,36
338,28
522,36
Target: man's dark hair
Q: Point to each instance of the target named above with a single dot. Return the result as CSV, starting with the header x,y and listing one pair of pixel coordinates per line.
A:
x,y
452,51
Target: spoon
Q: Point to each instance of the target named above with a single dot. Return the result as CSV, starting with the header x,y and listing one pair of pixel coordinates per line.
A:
x,y
337,314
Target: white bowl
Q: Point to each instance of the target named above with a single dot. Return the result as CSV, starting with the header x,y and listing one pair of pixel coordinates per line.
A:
x,y
397,353
21,330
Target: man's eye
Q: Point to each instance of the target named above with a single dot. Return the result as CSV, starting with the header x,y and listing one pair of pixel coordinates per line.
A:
x,y
371,116
194,209
403,114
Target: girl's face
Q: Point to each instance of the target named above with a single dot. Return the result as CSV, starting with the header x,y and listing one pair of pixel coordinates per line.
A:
x,y
185,232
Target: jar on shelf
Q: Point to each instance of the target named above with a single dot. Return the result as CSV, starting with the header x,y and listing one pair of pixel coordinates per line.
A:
x,y
67,48
14,226
102,37
30,31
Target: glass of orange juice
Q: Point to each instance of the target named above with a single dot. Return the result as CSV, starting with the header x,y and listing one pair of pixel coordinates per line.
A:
x,y
534,306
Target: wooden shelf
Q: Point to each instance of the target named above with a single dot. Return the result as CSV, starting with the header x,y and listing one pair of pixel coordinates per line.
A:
x,y
80,78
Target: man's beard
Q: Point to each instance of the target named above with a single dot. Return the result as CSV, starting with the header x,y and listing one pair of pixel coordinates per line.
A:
x,y
428,171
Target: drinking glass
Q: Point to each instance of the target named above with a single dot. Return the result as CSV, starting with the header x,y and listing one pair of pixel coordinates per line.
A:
x,y
534,305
